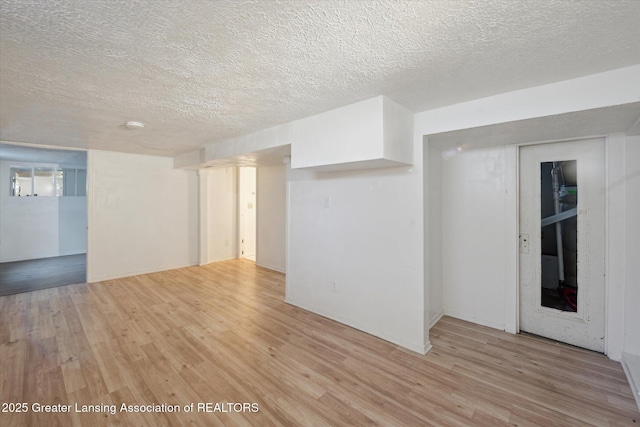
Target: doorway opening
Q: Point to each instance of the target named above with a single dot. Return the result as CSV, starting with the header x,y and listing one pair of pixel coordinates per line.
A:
x,y
43,218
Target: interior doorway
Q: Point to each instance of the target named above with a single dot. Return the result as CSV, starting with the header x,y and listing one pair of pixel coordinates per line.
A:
x,y
43,218
562,242
247,213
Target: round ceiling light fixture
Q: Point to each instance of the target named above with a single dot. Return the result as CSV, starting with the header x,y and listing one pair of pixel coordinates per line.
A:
x,y
133,125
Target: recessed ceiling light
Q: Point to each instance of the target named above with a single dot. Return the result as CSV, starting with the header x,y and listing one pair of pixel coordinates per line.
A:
x,y
132,125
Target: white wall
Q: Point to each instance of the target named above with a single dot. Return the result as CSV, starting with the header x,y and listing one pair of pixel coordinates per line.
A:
x,y
355,250
28,225
143,215
271,220
473,250
631,333
615,246
221,214
632,251
39,227
72,225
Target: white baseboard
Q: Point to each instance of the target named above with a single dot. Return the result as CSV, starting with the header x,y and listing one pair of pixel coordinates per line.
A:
x,y
427,348
211,261
73,253
103,278
28,257
417,348
631,366
473,319
435,319
271,267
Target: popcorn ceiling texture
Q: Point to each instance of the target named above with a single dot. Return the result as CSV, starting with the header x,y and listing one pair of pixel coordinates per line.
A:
x,y
199,72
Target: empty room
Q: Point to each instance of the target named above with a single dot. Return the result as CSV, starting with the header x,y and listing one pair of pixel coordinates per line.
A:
x,y
320,212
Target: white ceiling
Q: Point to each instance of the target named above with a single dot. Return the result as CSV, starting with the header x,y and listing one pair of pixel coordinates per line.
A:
x,y
199,72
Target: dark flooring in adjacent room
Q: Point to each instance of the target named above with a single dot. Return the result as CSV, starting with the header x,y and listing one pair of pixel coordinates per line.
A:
x,y
31,275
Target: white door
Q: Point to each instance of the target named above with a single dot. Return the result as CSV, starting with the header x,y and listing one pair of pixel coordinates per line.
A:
x,y
562,242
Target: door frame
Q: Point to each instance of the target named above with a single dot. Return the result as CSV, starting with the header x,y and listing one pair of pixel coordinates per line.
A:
x,y
614,235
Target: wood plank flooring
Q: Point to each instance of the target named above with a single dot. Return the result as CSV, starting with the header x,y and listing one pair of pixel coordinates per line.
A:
x,y
222,334
34,274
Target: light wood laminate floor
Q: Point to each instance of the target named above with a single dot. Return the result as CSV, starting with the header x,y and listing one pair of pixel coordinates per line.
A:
x,y
222,334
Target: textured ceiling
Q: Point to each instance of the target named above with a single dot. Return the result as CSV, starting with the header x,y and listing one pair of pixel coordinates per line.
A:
x,y
199,72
